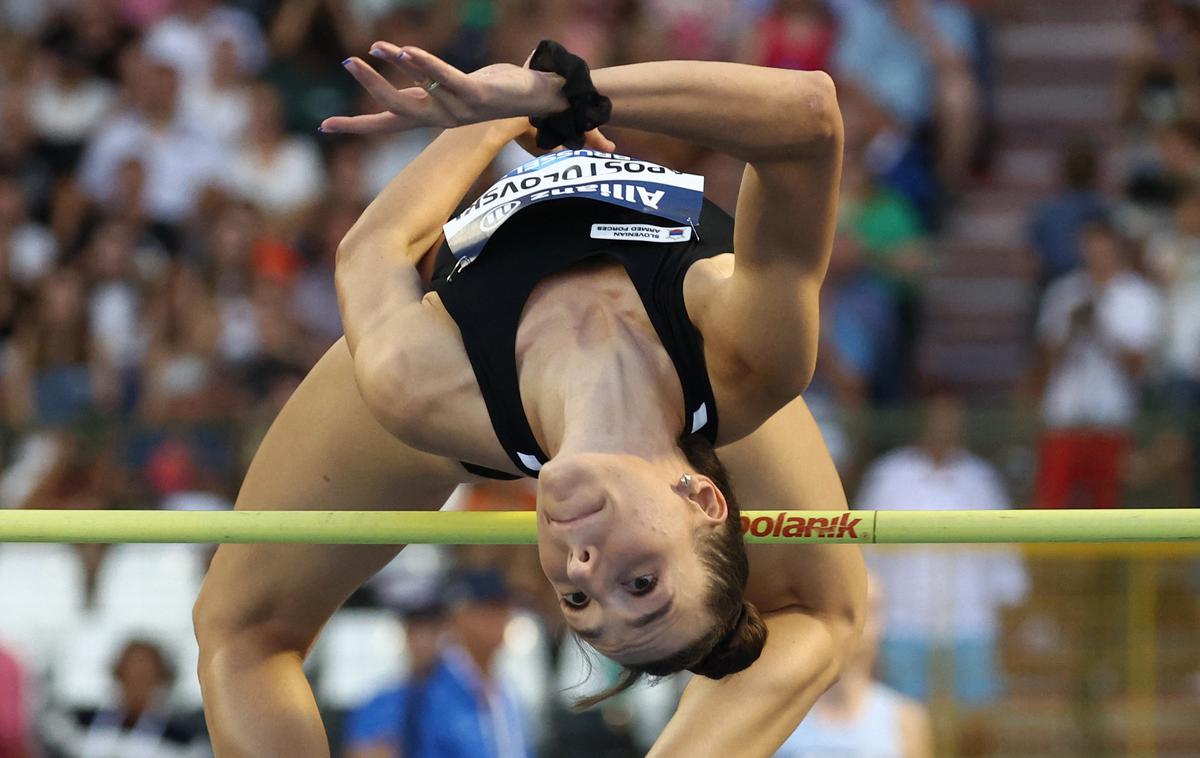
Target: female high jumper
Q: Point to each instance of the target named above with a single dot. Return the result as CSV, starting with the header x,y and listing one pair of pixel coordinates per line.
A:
x,y
595,323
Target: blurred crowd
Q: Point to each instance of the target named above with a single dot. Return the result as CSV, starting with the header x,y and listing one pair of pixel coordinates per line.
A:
x,y
169,218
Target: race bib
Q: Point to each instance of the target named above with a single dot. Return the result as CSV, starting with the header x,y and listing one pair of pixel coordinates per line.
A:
x,y
641,232
617,179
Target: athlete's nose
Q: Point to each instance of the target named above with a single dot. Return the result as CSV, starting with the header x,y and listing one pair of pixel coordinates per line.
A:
x,y
581,563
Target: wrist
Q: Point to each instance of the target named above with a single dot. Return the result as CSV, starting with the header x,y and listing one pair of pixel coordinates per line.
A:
x,y
548,97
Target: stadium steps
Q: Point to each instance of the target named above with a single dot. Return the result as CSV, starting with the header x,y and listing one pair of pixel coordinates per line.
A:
x,y
1056,68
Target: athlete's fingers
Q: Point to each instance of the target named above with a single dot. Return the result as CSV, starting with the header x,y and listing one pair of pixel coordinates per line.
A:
x,y
596,140
433,67
371,80
386,51
451,108
412,102
371,123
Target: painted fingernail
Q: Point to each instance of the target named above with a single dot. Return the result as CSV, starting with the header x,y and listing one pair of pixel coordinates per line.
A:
x,y
347,61
321,129
377,53
403,54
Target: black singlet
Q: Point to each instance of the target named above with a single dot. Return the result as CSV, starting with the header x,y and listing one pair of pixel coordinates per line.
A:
x,y
486,298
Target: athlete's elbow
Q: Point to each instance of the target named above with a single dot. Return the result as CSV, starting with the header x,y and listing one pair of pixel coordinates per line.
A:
x,y
382,378
817,121
787,374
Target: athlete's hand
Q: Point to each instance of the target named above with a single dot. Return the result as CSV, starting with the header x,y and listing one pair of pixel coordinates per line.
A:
x,y
498,91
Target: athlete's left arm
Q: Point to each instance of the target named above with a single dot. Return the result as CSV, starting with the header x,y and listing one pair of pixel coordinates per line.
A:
x,y
751,713
813,597
765,315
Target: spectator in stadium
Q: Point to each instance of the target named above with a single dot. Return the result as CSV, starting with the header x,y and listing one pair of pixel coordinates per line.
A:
x,y
942,601
30,248
861,716
378,728
1056,223
221,104
96,32
114,297
1173,258
53,372
67,102
888,228
187,38
180,380
1097,330
859,331
915,58
452,706
795,34
1170,164
314,298
178,160
14,701
137,724
694,29
280,173
1173,261
1160,78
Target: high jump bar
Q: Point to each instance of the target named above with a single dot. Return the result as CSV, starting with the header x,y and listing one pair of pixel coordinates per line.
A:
x,y
519,527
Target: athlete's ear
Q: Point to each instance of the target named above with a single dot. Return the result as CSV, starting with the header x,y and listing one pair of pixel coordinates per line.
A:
x,y
707,498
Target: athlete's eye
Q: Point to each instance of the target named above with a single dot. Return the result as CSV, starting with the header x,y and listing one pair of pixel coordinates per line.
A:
x,y
576,599
643,584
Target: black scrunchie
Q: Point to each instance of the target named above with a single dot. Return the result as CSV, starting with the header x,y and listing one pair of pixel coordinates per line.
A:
x,y
588,109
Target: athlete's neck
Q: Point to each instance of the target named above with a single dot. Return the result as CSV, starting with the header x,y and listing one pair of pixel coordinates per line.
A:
x,y
614,410
612,390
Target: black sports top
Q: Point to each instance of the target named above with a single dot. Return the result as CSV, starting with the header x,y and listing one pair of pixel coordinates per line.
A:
x,y
486,298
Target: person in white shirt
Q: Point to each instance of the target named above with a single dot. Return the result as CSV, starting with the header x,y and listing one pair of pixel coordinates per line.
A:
x,y
1173,258
136,722
179,162
221,104
186,39
66,103
860,717
1097,329
29,247
280,173
942,600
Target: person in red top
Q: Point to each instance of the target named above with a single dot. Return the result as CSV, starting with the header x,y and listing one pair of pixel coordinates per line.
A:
x,y
797,34
14,718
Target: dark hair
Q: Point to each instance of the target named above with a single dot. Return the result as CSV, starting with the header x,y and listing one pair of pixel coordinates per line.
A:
x,y
1187,129
1080,165
166,670
737,639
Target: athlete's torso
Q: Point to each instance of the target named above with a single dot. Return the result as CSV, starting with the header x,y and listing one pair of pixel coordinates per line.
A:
x,y
551,318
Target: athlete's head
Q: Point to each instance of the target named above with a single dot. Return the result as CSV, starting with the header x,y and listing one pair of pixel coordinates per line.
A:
x,y
649,564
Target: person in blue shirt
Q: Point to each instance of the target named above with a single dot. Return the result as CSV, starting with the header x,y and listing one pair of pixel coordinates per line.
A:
x,y
451,706
860,717
1056,224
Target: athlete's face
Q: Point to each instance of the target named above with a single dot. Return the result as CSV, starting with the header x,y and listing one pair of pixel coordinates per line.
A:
x,y
617,539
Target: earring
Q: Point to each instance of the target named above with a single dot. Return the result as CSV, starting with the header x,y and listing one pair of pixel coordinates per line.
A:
x,y
685,481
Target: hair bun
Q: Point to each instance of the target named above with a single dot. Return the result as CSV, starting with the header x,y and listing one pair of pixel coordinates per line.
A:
x,y
740,647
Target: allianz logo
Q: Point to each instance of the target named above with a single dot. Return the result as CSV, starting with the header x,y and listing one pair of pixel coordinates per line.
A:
x,y
496,216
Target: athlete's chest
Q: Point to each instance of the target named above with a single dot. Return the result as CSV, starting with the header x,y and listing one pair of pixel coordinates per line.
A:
x,y
589,316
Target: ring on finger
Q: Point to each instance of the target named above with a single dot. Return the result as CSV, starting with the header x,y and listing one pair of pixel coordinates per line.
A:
x,y
431,85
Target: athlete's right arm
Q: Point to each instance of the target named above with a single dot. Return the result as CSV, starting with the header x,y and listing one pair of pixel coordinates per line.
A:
x,y
376,270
